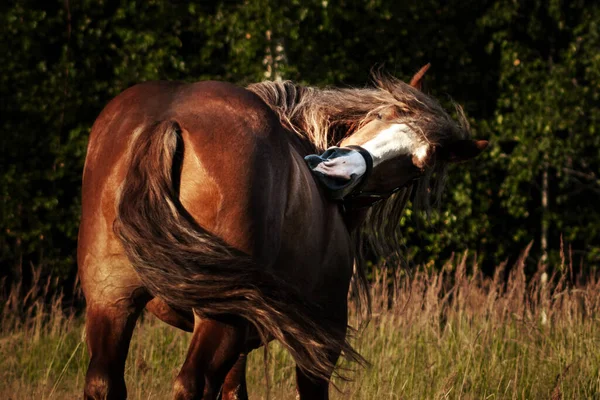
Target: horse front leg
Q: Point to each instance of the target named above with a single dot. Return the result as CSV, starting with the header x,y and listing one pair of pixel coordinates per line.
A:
x,y
310,387
234,385
214,349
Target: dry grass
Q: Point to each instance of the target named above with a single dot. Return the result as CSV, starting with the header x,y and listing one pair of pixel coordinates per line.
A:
x,y
434,335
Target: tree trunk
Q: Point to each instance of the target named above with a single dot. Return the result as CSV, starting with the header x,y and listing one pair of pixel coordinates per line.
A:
x,y
274,57
545,223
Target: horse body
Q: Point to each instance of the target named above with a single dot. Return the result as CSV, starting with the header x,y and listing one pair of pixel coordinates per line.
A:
x,y
197,204
241,179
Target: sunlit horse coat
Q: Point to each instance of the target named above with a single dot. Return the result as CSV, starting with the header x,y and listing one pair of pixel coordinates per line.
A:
x,y
198,204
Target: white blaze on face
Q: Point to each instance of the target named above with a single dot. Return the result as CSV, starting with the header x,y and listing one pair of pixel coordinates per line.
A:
x,y
394,141
343,167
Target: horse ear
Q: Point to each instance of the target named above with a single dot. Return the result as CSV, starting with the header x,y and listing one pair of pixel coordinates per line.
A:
x,y
417,80
464,150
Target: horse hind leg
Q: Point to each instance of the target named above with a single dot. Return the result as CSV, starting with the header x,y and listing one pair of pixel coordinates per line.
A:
x,y
109,327
214,349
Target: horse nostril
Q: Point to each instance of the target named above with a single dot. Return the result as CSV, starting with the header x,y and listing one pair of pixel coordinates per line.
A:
x,y
313,160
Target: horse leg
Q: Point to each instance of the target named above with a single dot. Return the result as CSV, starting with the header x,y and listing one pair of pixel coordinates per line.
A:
x,y
234,386
214,349
109,329
310,387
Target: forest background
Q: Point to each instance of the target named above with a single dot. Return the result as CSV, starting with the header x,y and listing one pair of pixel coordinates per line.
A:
x,y
526,72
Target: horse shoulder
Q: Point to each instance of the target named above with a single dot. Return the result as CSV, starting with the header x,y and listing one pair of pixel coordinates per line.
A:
x,y
316,249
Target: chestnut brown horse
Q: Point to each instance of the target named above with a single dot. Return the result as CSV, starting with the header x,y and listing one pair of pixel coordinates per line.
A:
x,y
209,205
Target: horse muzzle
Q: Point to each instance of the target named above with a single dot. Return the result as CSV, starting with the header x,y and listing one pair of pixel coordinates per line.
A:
x,y
341,170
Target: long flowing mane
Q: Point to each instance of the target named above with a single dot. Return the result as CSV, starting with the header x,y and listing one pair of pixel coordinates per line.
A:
x,y
324,117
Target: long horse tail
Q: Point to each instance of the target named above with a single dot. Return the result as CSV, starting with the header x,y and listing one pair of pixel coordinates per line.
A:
x,y
192,269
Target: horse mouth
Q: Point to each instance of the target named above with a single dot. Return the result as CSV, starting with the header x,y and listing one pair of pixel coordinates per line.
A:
x,y
338,170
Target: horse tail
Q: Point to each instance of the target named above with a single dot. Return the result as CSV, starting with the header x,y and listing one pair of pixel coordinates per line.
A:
x,y
192,269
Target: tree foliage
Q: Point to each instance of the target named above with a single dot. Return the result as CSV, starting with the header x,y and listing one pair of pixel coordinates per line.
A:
x,y
526,72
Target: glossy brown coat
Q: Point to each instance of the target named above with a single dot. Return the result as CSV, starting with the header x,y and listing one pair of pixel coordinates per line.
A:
x,y
176,168
241,179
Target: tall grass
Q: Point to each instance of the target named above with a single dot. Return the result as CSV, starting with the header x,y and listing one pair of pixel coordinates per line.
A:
x,y
442,334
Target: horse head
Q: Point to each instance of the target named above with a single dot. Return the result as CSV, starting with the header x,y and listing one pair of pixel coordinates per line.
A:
x,y
395,144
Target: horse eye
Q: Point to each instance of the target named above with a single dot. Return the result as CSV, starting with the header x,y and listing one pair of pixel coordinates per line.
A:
x,y
379,116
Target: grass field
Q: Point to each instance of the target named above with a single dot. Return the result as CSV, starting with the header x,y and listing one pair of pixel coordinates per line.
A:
x,y
452,334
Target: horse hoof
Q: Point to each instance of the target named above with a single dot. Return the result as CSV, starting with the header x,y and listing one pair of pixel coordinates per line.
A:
x,y
186,388
100,387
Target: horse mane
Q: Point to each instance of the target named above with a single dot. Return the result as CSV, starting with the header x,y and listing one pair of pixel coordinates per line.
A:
x,y
324,117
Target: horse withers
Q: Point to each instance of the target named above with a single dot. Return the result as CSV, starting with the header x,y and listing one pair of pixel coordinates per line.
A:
x,y
229,212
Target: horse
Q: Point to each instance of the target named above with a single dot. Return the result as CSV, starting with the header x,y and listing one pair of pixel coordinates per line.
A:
x,y
232,213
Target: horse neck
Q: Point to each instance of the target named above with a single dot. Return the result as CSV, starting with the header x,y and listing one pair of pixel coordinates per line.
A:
x,y
354,218
301,144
